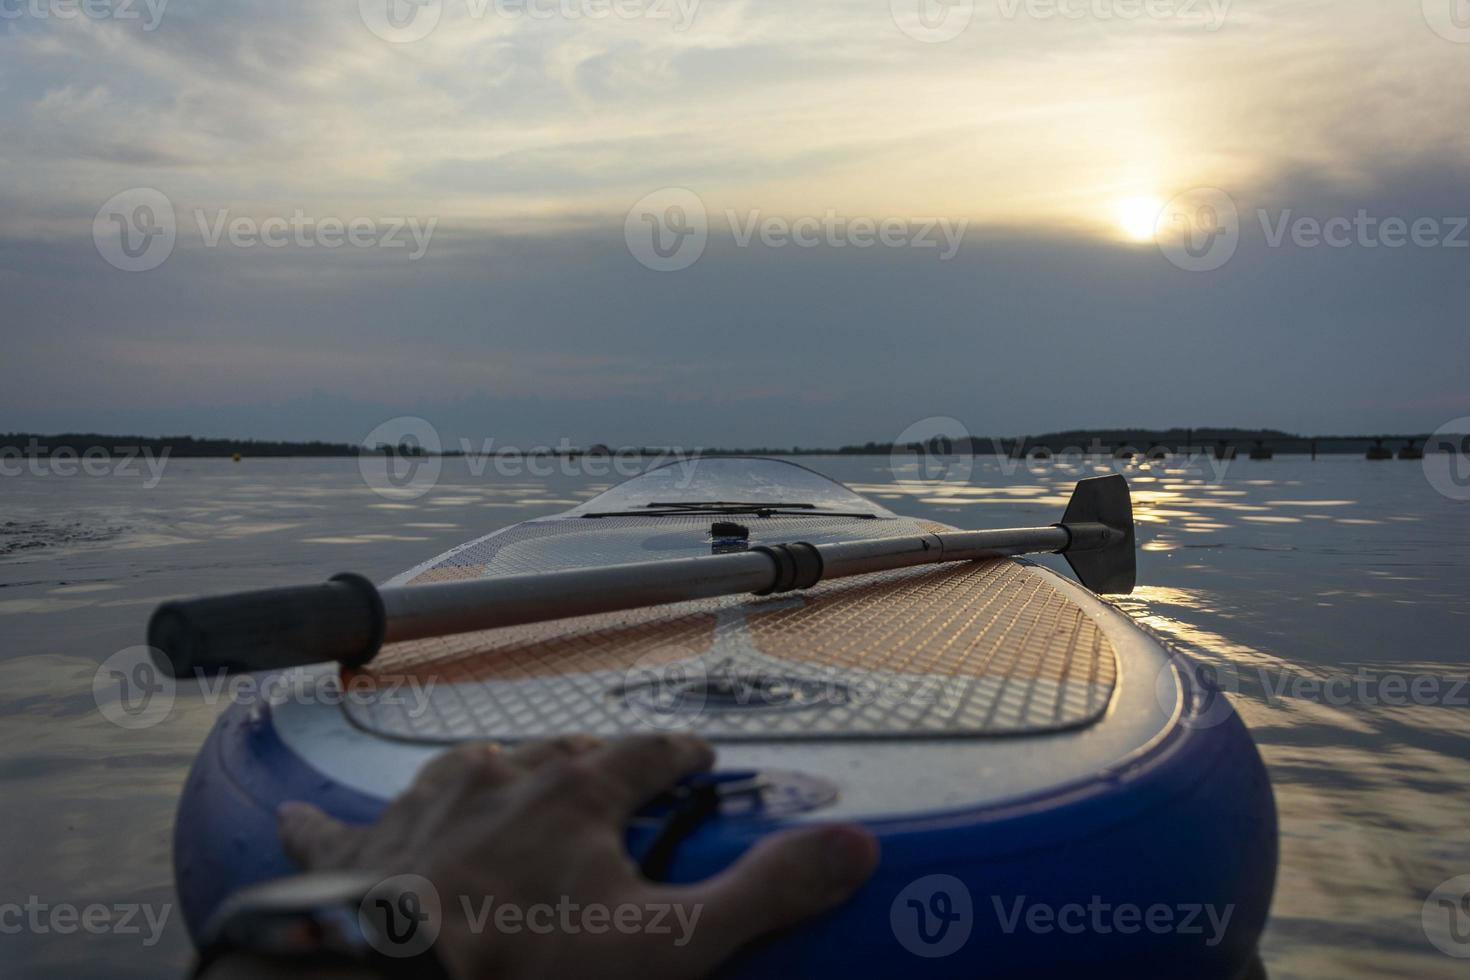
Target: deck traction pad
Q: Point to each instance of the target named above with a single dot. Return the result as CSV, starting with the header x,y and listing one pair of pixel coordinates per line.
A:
x,y
976,649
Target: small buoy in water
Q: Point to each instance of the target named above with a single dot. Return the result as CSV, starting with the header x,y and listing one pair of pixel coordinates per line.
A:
x,y
236,457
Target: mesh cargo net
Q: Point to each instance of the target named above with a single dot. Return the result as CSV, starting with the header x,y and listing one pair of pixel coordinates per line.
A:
x,y
975,649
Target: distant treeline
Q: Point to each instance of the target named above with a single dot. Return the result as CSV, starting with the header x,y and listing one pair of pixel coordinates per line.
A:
x,y
1086,440
30,444
1170,440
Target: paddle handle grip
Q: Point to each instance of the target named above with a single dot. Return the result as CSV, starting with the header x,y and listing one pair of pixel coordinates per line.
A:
x,y
342,619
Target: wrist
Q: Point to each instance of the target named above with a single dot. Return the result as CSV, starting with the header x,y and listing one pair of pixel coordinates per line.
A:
x,y
353,923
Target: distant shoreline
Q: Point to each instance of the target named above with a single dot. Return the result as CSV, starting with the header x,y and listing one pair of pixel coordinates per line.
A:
x,y
1090,441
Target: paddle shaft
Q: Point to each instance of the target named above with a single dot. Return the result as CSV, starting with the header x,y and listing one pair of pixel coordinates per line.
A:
x,y
348,619
416,612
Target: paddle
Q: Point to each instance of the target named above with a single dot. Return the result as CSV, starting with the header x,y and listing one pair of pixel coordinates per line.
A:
x,y
348,619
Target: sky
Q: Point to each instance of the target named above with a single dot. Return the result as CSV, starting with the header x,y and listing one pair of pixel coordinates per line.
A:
x,y
713,222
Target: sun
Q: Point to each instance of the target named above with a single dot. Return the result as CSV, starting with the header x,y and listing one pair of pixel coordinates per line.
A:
x,y
1137,216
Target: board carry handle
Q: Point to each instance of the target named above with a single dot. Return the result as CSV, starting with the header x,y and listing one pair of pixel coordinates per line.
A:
x,y
348,619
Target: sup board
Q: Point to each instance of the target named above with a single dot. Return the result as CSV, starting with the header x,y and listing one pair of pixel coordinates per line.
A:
x,y
1054,790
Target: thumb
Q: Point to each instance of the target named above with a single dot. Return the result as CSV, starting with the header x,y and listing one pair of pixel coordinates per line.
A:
x,y
782,880
309,837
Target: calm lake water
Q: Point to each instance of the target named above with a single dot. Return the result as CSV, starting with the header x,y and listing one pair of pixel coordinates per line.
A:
x,y
1332,595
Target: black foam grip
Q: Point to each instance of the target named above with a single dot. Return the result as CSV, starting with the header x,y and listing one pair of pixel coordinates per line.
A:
x,y
340,620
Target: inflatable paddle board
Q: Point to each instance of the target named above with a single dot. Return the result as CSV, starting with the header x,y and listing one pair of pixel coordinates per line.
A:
x,y
1055,792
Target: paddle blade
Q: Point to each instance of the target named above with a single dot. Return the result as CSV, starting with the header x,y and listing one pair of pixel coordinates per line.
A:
x,y
1104,500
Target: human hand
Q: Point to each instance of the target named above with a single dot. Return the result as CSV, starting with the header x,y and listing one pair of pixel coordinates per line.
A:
x,y
542,828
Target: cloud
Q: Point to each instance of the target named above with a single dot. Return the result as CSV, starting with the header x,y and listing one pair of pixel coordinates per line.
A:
x,y
528,140
493,117
538,336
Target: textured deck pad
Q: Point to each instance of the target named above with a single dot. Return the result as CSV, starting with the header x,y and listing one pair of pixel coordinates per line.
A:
x,y
978,649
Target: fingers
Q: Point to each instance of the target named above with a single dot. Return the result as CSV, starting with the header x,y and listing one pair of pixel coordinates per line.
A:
x,y
472,764
486,763
312,839
782,880
645,765
533,755
579,774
